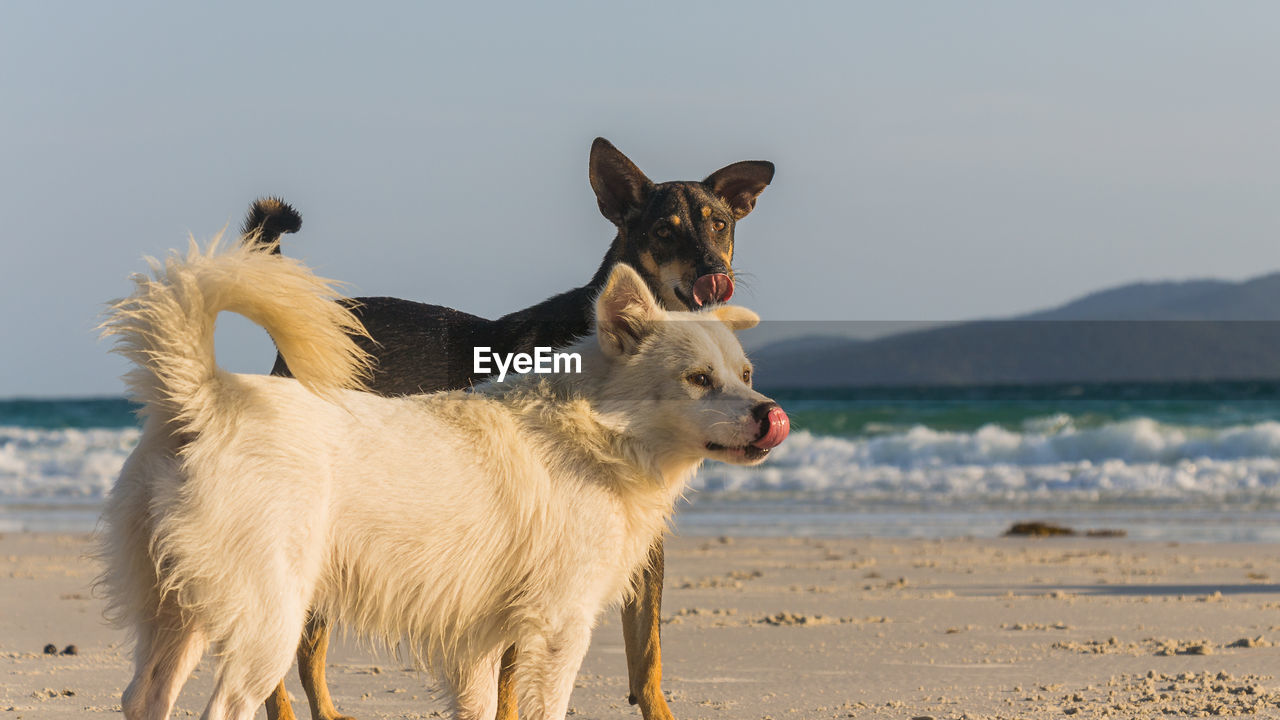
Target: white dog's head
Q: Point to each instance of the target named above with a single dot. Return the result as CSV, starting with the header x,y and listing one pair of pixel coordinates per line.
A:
x,y
681,378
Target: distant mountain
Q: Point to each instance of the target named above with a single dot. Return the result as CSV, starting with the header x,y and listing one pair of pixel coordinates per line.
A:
x,y
807,344
1256,299
1166,331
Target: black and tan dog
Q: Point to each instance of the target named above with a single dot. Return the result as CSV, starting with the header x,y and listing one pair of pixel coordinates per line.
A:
x,y
678,235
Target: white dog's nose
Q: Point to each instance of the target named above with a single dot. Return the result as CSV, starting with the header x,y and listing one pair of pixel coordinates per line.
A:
x,y
774,425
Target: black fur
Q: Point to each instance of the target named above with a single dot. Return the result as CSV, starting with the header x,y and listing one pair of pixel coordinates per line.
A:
x,y
425,348
268,219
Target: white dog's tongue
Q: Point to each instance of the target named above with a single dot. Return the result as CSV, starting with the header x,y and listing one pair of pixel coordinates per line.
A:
x,y
776,428
714,288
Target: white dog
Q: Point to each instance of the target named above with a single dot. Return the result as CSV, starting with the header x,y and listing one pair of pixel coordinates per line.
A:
x,y
460,523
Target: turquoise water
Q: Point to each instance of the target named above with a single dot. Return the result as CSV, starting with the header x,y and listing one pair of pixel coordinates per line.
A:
x,y
73,413
871,411
855,412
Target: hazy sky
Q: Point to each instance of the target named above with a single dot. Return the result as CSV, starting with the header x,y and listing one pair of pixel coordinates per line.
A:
x,y
935,160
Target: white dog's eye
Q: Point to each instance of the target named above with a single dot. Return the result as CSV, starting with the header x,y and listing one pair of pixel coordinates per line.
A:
x,y
746,376
700,379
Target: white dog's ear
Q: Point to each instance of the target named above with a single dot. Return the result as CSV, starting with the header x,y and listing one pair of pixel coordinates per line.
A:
x,y
737,317
626,311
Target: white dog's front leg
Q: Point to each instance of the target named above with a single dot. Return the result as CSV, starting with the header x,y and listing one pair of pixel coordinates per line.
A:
x,y
475,688
549,666
168,649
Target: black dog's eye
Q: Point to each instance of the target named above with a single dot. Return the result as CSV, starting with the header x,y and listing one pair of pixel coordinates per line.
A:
x,y
719,225
700,379
662,232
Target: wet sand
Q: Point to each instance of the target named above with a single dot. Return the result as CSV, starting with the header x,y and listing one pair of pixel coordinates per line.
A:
x,y
796,629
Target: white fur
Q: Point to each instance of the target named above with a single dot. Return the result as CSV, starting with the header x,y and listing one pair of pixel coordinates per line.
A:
x,y
460,523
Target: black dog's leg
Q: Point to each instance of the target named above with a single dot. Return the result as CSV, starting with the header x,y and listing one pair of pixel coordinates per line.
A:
x,y
312,652
641,626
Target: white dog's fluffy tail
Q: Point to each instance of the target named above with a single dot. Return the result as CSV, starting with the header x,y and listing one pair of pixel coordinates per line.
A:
x,y
166,326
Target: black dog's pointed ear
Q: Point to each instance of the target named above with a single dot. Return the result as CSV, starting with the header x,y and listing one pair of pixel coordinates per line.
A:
x,y
621,189
740,184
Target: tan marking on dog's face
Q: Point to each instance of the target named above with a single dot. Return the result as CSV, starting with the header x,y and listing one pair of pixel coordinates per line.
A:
x,y
667,276
706,211
649,264
674,220
670,276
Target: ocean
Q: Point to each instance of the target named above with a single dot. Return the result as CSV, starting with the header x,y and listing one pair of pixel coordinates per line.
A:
x,y
1159,461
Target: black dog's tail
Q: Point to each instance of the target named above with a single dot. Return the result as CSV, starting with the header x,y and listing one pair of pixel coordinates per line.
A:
x,y
268,219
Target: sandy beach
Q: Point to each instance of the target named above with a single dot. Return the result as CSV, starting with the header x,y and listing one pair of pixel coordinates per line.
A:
x,y
797,629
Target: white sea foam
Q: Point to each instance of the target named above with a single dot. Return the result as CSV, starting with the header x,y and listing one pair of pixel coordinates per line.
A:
x,y
1048,459
65,464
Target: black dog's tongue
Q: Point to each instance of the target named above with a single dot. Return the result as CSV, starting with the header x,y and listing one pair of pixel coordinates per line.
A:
x,y
714,288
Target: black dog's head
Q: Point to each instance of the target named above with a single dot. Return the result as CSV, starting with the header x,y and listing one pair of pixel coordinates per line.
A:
x,y
678,235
